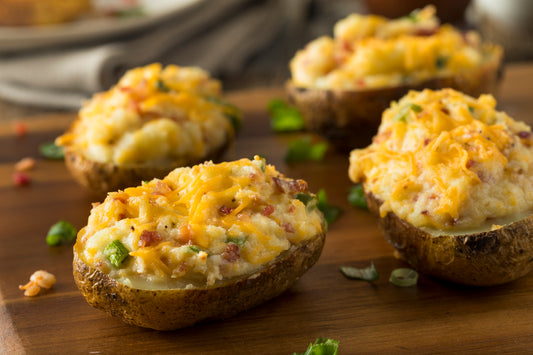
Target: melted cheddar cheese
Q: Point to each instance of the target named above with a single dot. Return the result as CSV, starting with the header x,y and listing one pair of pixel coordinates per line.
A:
x,y
445,160
154,116
200,225
372,51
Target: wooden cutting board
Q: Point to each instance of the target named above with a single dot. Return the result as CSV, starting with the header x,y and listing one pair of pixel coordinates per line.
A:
x,y
433,317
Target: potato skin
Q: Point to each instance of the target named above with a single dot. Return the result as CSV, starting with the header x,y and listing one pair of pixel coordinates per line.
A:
x,y
178,308
349,119
480,259
103,177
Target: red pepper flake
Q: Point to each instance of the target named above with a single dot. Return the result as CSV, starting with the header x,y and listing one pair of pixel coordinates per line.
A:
x,y
268,210
232,253
20,129
225,210
149,238
21,179
288,228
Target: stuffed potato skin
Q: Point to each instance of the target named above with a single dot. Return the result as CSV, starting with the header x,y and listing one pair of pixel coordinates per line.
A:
x,y
178,308
349,118
487,258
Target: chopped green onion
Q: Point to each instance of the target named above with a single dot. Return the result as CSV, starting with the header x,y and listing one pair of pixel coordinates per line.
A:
x,y
238,241
116,252
440,62
471,109
50,150
284,118
194,248
308,200
161,86
413,16
356,197
232,113
331,213
403,277
61,232
137,11
366,274
304,150
402,115
322,346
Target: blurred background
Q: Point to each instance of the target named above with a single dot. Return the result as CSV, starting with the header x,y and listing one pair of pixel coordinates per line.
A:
x,y
56,53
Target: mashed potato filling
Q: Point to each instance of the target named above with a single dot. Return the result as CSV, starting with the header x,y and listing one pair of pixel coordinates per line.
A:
x,y
200,225
372,51
445,160
153,116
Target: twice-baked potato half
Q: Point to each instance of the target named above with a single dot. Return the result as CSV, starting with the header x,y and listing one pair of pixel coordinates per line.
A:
x,y
41,12
154,120
203,243
451,180
343,84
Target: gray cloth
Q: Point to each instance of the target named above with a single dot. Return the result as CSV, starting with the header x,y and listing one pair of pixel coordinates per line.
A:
x,y
219,36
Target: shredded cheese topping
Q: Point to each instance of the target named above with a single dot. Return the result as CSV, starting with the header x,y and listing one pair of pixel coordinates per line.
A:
x,y
372,51
200,225
445,160
154,116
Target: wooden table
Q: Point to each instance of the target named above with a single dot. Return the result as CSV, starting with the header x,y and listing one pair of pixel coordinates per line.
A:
x,y
433,317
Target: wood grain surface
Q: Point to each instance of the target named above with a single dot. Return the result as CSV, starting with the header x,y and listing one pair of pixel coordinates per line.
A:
x,y
433,317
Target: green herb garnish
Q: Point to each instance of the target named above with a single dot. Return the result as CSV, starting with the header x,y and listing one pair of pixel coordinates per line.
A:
x,y
366,274
161,86
331,213
322,346
440,62
50,150
232,113
471,109
238,241
310,201
284,118
413,16
116,252
303,150
61,232
402,115
194,248
403,277
356,197
137,11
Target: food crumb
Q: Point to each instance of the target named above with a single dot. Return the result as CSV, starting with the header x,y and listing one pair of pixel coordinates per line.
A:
x,y
38,280
25,164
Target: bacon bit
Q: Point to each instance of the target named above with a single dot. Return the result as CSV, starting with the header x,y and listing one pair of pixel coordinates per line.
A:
x,y
445,110
382,137
288,228
524,134
291,208
225,210
185,234
21,179
425,212
38,280
470,163
289,185
161,188
121,197
426,141
425,32
232,253
25,164
20,129
268,210
149,238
